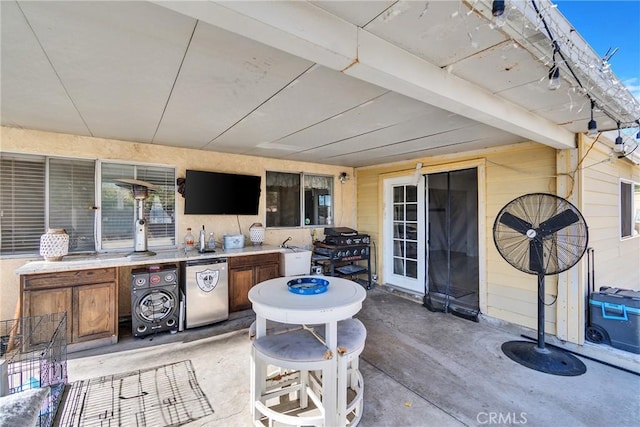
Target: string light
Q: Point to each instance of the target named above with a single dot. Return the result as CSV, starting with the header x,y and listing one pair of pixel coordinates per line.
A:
x,y
593,126
497,10
619,145
554,72
592,74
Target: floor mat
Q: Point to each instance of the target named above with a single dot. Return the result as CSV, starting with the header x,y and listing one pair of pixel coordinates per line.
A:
x,y
167,395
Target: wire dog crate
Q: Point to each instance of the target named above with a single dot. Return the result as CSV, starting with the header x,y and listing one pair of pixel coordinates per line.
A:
x,y
35,353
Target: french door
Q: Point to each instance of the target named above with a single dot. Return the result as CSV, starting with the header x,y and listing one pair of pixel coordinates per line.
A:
x,y
404,231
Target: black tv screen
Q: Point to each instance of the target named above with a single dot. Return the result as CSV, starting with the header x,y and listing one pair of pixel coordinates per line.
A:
x,y
215,193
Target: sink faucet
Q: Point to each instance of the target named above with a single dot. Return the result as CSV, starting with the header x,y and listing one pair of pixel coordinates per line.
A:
x,y
284,244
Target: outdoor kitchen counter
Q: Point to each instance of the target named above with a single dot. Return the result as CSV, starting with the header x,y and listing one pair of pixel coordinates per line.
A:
x,y
87,262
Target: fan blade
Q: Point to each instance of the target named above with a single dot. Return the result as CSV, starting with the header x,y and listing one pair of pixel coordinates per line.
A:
x,y
536,260
519,225
557,223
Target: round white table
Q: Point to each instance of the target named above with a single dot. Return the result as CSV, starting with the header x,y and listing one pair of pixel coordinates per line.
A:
x,y
272,300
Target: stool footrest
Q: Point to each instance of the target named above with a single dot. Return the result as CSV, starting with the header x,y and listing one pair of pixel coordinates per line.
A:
x,y
294,420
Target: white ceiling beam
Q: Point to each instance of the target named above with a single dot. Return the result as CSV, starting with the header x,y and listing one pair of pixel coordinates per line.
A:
x,y
309,32
295,27
391,67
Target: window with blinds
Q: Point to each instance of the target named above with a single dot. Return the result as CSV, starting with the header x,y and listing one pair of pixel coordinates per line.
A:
x,y
39,192
118,205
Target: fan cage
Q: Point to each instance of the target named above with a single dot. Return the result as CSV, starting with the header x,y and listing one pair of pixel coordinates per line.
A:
x,y
561,250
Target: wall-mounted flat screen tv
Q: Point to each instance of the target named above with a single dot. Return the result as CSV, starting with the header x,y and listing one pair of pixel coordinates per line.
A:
x,y
216,193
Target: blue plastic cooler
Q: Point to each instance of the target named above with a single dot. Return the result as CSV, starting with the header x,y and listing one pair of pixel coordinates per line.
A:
x,y
617,312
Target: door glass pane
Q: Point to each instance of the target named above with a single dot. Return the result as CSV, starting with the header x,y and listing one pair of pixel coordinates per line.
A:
x,y
412,193
412,269
412,212
398,194
411,250
398,266
398,230
398,212
398,248
405,248
412,231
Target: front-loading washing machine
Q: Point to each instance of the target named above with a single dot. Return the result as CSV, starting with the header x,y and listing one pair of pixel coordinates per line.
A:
x,y
155,301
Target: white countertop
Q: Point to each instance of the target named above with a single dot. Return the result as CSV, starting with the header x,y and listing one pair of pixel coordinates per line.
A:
x,y
86,262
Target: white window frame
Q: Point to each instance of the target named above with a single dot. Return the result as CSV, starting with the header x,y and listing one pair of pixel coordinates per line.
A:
x,y
170,242
633,215
301,195
33,248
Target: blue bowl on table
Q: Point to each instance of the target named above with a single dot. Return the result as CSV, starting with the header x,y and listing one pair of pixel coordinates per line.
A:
x,y
308,285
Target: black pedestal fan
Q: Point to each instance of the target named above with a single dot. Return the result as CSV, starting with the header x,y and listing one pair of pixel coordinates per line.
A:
x,y
541,234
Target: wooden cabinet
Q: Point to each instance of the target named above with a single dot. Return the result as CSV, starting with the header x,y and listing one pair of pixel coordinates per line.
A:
x,y
89,297
247,270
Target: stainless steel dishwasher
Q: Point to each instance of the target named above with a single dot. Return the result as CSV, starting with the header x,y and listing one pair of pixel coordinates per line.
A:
x,y
205,286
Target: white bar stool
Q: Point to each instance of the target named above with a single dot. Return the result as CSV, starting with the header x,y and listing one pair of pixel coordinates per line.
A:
x,y
297,350
273,328
352,335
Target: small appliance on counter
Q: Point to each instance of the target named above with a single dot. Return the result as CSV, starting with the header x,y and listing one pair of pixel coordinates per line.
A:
x,y
233,241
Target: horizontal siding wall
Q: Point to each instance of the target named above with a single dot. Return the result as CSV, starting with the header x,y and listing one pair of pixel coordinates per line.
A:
x,y
512,171
617,262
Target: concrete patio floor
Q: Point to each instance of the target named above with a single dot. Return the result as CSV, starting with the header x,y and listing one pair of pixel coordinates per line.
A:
x,y
420,369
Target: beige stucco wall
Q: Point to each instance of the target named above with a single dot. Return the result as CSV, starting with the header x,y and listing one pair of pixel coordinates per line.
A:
x,y
34,142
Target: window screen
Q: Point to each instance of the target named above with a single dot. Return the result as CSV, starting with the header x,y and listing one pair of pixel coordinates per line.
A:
x,y
22,210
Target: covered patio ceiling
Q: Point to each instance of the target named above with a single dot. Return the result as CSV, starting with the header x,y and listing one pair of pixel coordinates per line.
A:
x,y
351,83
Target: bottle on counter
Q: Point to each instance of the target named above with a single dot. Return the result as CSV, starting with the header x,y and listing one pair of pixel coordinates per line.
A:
x,y
189,240
212,241
202,241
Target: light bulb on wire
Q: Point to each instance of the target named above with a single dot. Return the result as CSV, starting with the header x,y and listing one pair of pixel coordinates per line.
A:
x,y
554,77
619,145
554,72
497,10
592,127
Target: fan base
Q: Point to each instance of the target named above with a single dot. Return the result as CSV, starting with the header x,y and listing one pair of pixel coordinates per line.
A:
x,y
548,360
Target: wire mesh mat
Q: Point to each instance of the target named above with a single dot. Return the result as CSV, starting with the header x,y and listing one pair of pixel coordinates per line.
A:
x,y
167,395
